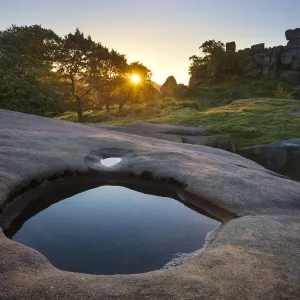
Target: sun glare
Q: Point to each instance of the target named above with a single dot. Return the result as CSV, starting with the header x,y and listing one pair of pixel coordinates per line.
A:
x,y
135,78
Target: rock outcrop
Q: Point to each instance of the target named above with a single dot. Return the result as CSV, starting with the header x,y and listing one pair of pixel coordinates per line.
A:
x,y
231,46
281,62
171,89
282,156
253,255
181,90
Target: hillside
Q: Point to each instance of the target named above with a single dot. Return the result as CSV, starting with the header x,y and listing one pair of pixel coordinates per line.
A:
x,y
245,112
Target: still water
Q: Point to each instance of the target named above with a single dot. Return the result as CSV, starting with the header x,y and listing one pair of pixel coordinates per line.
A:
x,y
115,230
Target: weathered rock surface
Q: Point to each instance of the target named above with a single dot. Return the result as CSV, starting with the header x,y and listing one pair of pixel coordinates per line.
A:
x,y
282,156
255,256
174,133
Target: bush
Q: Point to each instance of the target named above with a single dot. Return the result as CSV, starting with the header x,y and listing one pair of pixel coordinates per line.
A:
x,y
281,93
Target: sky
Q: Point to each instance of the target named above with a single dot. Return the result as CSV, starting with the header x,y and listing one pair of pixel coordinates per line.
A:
x,y
161,34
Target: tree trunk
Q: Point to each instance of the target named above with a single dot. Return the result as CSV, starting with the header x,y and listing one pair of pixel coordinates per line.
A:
x,y
79,109
107,107
78,100
121,106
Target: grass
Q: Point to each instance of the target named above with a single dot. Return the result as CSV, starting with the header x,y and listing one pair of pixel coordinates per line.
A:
x,y
246,121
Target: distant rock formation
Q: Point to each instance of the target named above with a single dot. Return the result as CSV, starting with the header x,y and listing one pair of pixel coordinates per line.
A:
x,y
281,62
230,47
182,90
156,86
171,89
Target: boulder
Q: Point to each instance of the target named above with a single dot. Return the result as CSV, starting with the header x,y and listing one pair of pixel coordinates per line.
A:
x,y
247,51
198,77
289,56
293,44
290,76
169,88
282,156
293,37
182,90
258,58
269,67
296,93
248,65
230,47
258,48
273,68
292,34
277,51
296,63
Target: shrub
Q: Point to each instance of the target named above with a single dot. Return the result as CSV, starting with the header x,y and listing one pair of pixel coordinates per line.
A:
x,y
281,93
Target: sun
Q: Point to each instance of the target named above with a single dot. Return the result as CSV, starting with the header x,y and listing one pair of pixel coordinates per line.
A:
x,y
135,78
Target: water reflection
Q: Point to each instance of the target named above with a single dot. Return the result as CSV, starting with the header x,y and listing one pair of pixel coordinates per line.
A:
x,y
115,230
111,161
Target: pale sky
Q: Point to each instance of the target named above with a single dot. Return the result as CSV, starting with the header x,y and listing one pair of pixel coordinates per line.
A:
x,y
161,34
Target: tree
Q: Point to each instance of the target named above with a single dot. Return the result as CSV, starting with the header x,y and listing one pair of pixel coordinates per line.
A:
x,y
75,62
34,41
109,74
144,90
27,81
211,47
41,73
90,67
115,85
197,61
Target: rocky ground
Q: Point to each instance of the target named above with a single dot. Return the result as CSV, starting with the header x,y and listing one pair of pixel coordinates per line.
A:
x,y
255,255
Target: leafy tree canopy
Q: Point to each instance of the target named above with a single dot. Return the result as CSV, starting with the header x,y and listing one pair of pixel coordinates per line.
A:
x,y
42,73
27,82
35,41
210,49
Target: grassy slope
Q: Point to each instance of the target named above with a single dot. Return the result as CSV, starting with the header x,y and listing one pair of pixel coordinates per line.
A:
x,y
247,121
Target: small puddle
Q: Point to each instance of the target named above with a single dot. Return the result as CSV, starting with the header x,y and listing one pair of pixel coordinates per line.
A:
x,y
112,230
111,161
